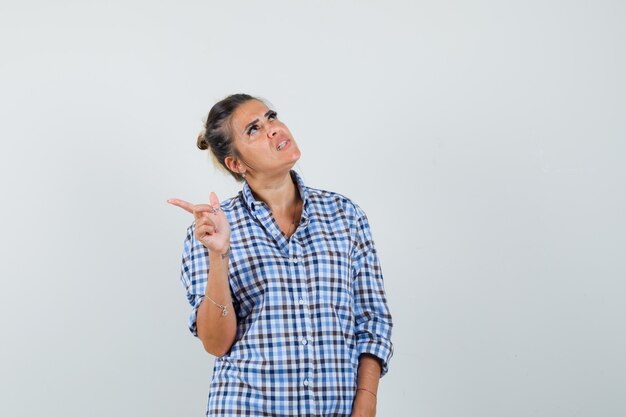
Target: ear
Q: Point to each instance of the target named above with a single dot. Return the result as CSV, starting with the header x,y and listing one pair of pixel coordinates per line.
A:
x,y
232,163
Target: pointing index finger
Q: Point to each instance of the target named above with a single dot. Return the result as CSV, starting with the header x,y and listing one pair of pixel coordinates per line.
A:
x,y
182,204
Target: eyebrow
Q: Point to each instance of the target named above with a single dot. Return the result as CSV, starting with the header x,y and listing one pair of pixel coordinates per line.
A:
x,y
267,113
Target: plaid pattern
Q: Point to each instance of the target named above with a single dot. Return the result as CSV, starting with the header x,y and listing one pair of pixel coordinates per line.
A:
x,y
306,307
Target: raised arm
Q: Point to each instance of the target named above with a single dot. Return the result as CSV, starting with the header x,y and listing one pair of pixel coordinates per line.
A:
x,y
213,320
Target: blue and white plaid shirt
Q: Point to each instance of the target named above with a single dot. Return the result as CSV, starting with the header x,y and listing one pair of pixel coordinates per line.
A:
x,y
306,307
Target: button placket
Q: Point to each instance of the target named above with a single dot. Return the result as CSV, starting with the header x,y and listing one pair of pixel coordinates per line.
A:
x,y
297,268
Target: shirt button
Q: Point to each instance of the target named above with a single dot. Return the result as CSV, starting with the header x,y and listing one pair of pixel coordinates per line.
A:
x,y
304,341
301,301
295,259
306,383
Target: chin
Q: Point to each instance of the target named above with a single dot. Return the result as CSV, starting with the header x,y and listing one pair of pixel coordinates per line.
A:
x,y
292,163
296,155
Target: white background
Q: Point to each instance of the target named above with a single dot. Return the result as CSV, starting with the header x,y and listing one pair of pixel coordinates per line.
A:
x,y
485,141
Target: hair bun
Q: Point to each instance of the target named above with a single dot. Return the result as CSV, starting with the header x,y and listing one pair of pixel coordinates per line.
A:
x,y
202,142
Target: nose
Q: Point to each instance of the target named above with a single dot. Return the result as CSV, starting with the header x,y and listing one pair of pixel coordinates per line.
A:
x,y
272,130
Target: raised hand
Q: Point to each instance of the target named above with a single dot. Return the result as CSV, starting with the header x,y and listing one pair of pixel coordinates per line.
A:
x,y
212,228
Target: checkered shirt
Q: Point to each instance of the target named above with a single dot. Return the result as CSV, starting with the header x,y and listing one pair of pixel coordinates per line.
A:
x,y
306,307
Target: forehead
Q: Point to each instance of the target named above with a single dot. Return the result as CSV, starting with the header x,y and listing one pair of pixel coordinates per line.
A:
x,y
247,112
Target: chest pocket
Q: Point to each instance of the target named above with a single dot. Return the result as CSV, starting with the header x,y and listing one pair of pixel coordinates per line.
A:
x,y
327,260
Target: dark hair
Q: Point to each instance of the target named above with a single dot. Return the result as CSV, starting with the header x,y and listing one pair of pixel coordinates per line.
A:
x,y
217,132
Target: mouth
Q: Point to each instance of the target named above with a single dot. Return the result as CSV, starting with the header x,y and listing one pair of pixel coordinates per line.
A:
x,y
283,144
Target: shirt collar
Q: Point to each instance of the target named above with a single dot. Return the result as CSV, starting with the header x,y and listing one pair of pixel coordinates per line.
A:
x,y
253,204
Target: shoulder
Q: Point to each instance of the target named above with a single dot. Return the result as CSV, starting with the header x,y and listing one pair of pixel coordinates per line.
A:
x,y
327,201
341,213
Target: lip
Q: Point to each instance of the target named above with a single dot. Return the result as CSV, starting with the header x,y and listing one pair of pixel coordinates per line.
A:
x,y
288,142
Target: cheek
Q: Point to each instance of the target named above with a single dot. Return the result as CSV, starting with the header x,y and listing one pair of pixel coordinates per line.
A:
x,y
285,128
248,152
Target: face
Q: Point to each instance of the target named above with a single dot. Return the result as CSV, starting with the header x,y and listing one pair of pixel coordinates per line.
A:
x,y
264,142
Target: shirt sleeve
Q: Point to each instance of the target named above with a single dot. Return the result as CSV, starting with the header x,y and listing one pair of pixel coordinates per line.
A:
x,y
373,321
194,274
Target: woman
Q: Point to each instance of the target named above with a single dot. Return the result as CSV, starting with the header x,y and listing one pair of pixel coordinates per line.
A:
x,y
284,280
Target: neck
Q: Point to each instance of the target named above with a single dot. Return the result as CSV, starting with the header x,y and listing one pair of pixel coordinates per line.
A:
x,y
279,192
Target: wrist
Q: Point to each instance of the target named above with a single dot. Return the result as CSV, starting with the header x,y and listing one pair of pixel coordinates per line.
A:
x,y
364,404
220,253
367,392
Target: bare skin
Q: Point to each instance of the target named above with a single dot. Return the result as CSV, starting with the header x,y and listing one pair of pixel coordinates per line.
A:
x,y
368,376
217,332
256,134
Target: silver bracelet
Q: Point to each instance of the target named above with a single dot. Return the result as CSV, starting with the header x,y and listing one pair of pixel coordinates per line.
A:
x,y
223,307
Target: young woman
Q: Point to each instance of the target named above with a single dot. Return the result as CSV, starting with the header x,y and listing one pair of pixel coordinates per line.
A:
x,y
284,280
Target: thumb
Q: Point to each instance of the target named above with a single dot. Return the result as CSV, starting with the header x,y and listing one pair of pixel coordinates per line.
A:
x,y
214,200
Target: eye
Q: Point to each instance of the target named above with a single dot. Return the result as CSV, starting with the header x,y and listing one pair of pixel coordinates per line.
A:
x,y
252,130
273,115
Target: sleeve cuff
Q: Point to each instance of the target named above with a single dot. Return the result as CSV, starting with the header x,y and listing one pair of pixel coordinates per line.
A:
x,y
382,349
191,322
